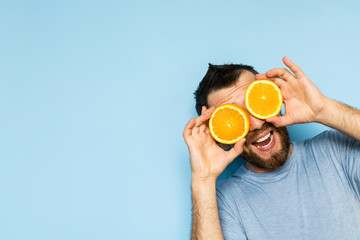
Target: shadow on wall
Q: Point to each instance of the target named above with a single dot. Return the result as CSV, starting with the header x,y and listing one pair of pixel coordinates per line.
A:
x,y
296,132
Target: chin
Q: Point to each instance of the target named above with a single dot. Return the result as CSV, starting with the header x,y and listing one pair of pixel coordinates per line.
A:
x,y
277,158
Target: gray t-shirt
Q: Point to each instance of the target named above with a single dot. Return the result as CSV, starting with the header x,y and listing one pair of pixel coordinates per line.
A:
x,y
314,195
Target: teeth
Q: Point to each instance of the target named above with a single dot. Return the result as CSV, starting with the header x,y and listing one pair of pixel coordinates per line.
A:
x,y
263,138
271,137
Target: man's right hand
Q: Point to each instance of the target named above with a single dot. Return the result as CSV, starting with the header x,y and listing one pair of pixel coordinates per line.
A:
x,y
208,159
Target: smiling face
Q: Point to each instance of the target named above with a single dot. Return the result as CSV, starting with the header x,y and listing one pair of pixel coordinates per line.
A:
x,y
266,147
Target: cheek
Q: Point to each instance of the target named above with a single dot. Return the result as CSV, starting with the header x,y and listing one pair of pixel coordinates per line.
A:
x,y
247,148
280,140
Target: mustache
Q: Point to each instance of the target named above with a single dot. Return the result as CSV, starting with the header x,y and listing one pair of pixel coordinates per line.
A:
x,y
253,135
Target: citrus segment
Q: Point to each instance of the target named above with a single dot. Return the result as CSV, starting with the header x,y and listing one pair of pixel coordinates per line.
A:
x,y
263,99
229,123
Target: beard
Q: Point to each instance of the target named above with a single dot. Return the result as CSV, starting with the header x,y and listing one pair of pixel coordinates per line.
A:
x,y
276,159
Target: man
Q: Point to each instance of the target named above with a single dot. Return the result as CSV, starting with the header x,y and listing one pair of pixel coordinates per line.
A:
x,y
300,190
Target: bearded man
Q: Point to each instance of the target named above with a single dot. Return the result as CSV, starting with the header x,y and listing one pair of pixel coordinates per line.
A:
x,y
285,190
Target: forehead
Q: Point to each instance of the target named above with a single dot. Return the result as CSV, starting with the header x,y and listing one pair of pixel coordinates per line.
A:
x,y
232,94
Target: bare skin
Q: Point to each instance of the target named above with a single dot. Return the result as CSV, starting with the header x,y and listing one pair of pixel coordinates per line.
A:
x,y
304,103
208,160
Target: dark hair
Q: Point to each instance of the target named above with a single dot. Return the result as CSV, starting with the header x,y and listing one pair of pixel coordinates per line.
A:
x,y
218,77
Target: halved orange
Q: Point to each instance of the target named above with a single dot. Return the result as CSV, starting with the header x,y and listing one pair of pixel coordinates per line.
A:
x,y
229,123
263,99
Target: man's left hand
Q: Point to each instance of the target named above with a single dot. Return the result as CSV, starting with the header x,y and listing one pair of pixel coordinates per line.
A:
x,y
302,99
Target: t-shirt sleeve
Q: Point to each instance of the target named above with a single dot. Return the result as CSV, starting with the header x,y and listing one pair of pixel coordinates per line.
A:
x,y
347,153
230,223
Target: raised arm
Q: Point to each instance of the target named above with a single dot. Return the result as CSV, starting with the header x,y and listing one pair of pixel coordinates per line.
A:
x,y
341,117
208,160
304,102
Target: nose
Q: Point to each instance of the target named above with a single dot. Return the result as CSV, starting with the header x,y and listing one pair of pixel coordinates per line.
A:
x,y
255,123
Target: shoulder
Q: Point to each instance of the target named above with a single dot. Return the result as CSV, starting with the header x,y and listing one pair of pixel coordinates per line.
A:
x,y
331,146
330,139
225,187
229,190
319,143
325,136
230,198
234,182
229,201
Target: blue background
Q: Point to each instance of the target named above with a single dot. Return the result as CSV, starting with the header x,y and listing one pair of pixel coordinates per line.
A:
x,y
94,96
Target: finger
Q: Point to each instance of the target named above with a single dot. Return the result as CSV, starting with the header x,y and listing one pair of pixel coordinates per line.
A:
x,y
278,81
280,121
203,109
295,69
280,72
204,117
236,150
260,76
203,128
207,131
188,128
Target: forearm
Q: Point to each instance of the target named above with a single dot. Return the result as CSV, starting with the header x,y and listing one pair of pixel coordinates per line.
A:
x,y
206,222
341,117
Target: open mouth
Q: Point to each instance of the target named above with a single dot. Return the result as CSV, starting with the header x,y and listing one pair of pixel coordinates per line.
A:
x,y
265,142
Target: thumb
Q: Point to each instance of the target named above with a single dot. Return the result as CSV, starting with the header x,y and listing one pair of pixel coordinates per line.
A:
x,y
236,150
279,121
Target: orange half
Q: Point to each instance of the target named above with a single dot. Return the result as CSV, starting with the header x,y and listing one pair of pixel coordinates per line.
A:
x,y
229,123
263,99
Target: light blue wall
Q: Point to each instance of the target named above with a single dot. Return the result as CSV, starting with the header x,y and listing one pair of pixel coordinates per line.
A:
x,y
94,96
